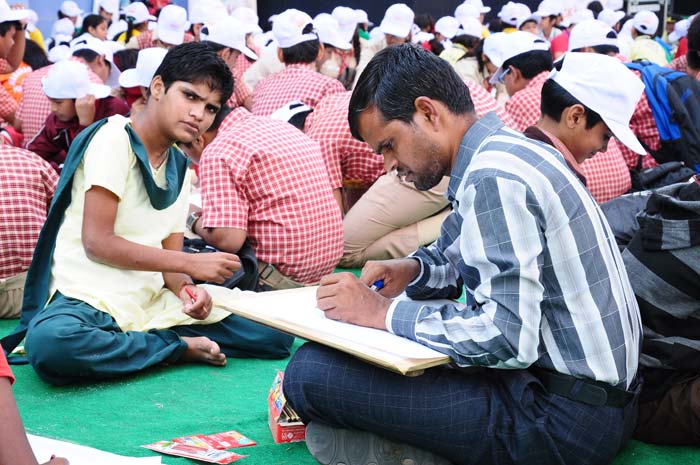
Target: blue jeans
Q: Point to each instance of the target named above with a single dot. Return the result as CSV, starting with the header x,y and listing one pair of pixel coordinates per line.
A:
x,y
489,417
71,341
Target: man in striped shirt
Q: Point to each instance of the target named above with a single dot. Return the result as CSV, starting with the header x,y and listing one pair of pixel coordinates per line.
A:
x,y
550,317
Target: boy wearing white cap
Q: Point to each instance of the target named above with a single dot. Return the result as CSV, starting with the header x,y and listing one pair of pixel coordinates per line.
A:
x,y
689,62
147,62
644,26
12,42
395,29
227,37
69,9
300,51
114,293
75,104
171,30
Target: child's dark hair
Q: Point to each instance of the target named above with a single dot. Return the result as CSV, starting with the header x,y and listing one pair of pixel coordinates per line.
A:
x,y
469,42
424,21
596,7
92,21
86,54
6,25
34,55
531,63
555,99
195,62
305,52
126,58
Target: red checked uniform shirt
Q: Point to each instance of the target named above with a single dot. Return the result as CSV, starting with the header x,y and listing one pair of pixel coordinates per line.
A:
x,y
644,127
268,178
147,40
607,175
27,187
240,89
297,82
484,103
35,106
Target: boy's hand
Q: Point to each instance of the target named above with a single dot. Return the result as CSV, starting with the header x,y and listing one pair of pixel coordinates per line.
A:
x,y
201,307
216,266
57,461
85,110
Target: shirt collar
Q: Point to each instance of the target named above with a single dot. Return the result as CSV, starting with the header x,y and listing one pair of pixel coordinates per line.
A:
x,y
472,140
304,66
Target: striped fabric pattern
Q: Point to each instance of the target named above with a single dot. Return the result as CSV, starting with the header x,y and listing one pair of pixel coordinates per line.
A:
x,y
544,279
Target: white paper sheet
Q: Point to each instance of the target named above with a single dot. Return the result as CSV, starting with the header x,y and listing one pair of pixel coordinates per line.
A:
x,y
76,454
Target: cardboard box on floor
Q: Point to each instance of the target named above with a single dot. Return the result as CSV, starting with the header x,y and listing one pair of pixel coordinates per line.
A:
x,y
284,423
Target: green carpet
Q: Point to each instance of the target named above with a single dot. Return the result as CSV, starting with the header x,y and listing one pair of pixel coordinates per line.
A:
x,y
119,416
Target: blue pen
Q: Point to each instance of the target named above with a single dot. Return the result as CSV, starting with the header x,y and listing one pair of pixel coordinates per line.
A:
x,y
377,285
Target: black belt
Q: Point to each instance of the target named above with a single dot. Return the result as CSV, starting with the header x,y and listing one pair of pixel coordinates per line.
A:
x,y
583,390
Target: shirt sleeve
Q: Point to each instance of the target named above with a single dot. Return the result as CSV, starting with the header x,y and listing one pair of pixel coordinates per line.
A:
x,y
501,254
8,105
5,371
107,159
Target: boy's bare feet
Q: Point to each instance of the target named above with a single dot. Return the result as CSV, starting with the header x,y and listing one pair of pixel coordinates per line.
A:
x,y
202,350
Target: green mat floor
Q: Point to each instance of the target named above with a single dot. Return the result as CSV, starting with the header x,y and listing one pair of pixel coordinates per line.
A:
x,y
119,416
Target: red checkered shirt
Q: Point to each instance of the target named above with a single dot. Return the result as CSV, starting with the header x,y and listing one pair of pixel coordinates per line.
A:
x,y
297,82
8,104
35,107
485,103
644,127
268,178
681,64
241,91
145,39
242,64
27,187
346,158
606,173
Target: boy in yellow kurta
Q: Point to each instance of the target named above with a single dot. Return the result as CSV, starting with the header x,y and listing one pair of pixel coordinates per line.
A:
x,y
119,290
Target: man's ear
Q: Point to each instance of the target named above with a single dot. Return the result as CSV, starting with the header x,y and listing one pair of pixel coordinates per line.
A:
x,y
427,109
574,115
515,72
157,87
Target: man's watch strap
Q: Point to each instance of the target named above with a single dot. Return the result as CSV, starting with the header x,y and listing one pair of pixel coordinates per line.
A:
x,y
192,219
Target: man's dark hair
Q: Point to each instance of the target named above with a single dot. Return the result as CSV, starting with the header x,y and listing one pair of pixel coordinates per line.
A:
x,y
92,21
531,63
34,55
305,52
397,76
555,99
195,62
693,53
596,7
6,25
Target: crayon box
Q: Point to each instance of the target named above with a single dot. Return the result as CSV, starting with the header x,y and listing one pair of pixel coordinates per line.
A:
x,y
284,423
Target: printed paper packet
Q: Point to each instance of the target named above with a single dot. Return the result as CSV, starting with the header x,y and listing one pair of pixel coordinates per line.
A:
x,y
205,454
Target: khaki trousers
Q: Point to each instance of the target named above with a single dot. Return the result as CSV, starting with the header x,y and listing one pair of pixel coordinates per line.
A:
x,y
391,220
11,294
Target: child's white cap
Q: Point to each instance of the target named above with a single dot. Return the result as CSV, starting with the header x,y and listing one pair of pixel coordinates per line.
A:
x,y
362,18
397,20
590,33
138,12
86,41
610,17
329,32
646,22
230,33
347,22
514,44
512,11
63,27
447,26
607,87
288,28
578,16
249,18
70,79
479,5
680,30
471,27
172,24
549,8
147,62
70,8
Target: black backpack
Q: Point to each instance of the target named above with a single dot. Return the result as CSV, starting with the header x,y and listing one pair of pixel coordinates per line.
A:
x,y
674,98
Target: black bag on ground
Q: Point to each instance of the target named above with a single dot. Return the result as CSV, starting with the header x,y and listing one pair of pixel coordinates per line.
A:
x,y
245,279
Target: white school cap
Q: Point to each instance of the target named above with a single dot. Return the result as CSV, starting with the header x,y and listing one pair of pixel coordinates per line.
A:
x,y
610,17
464,11
549,8
117,27
614,4
514,44
479,5
347,21
495,48
472,27
207,12
680,30
329,32
63,27
447,26
70,79
147,62
591,33
362,18
578,16
172,24
230,33
139,12
646,22
607,87
86,41
288,28
32,19
398,20
110,6
70,8
512,11
248,18
8,14
58,53
531,17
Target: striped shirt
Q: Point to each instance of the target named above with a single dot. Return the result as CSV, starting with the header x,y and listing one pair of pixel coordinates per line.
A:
x,y
544,279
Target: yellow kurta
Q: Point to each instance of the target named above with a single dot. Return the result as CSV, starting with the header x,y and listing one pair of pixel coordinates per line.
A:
x,y
137,300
